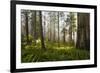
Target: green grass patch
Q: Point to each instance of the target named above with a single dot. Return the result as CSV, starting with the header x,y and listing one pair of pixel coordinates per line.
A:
x,y
31,53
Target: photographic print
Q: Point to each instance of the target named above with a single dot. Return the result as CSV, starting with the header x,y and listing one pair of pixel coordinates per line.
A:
x,y
53,36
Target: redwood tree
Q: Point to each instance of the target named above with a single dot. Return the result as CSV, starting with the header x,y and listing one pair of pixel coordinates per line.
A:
x,y
83,31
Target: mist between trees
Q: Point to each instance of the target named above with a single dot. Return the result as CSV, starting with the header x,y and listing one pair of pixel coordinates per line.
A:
x,y
54,36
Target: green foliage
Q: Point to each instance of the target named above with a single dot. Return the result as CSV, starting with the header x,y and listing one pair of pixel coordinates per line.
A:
x,y
30,38
32,53
52,39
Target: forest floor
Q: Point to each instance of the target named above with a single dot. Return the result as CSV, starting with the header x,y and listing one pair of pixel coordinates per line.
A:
x,y
30,53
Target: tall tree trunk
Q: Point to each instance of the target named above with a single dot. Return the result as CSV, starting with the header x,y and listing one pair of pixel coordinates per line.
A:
x,y
83,31
48,32
34,25
70,32
74,38
50,29
44,28
26,23
64,30
58,30
87,30
54,33
41,32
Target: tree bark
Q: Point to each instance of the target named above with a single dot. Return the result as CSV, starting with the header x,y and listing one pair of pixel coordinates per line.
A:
x,y
58,30
34,26
44,28
70,33
27,38
64,33
83,31
54,33
41,32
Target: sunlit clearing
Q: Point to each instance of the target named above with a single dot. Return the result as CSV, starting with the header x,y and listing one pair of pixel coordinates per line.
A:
x,y
38,41
68,48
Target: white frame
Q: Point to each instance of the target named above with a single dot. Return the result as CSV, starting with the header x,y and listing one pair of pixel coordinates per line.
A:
x,y
58,63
